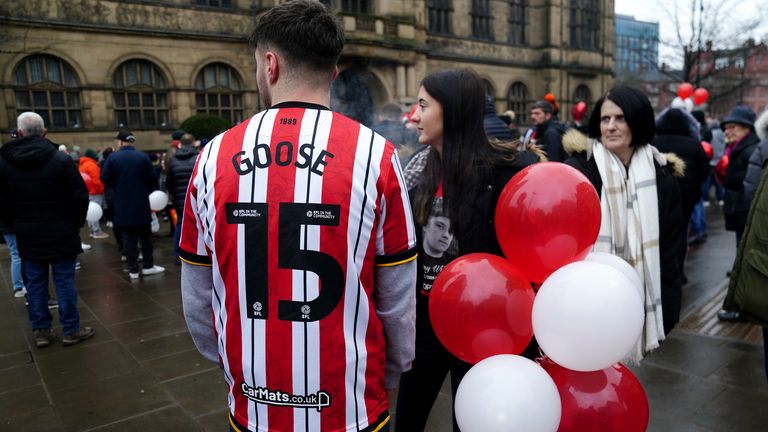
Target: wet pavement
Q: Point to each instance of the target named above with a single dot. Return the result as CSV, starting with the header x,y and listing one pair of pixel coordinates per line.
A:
x,y
141,372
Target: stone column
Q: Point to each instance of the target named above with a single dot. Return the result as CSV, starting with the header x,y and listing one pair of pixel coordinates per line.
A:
x,y
400,82
411,81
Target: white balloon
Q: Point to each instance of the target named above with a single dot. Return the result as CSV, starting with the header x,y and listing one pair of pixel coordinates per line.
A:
x,y
677,103
507,393
620,265
688,104
158,200
587,316
95,212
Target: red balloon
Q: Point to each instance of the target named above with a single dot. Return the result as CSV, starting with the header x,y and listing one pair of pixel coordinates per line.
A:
x,y
607,400
579,111
720,168
684,90
547,216
480,306
700,96
708,149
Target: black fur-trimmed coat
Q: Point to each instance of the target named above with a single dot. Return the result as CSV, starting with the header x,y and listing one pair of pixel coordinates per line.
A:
x,y
672,227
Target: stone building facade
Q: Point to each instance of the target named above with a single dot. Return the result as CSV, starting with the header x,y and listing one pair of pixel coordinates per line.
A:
x,y
93,66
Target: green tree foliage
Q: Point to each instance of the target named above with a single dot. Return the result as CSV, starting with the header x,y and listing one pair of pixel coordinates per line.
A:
x,y
205,125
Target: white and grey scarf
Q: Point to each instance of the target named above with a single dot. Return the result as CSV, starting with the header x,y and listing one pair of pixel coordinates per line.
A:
x,y
630,229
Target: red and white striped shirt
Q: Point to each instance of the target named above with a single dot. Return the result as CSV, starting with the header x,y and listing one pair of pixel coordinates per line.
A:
x,y
292,209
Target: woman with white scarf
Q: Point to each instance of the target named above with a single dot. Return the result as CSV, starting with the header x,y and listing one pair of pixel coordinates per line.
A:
x,y
640,201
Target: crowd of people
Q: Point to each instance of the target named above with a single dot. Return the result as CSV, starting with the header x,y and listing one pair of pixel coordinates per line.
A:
x,y
41,191
309,243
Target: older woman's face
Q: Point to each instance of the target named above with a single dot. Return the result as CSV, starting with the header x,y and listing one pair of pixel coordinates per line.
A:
x,y
735,131
615,133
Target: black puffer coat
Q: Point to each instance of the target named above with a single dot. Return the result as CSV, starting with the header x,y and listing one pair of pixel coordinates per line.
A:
x,y
180,169
673,136
42,198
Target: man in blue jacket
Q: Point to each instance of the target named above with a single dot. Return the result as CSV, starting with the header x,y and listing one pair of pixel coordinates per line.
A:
x,y
129,173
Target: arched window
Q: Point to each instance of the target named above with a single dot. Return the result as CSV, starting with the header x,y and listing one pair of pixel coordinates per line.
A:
x,y
517,101
141,95
48,86
218,91
582,93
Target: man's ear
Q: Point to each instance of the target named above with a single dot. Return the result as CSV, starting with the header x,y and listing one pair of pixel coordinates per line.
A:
x,y
45,132
335,73
273,66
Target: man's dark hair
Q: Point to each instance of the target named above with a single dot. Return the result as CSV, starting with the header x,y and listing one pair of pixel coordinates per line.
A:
x,y
391,111
637,110
187,139
544,106
306,32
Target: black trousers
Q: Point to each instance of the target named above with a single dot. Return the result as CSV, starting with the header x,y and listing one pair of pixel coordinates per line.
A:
x,y
420,385
131,235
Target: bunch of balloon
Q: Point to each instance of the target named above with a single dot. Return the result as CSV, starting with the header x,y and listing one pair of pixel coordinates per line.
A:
x,y
480,306
588,312
688,98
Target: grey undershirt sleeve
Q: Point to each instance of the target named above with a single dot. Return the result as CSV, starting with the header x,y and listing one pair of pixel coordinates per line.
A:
x,y
196,296
395,298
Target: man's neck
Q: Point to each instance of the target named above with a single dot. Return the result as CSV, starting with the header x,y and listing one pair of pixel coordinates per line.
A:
x,y
317,96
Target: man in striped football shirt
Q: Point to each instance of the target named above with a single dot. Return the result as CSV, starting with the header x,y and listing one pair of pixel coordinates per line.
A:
x,y
298,246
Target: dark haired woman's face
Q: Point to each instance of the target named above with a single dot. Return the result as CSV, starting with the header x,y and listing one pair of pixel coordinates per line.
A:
x,y
615,133
428,118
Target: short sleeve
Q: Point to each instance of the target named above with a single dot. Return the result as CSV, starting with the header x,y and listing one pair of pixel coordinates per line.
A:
x,y
395,233
192,242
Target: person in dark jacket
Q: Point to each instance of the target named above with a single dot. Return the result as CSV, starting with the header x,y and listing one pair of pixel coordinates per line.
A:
x,y
129,172
44,200
454,185
740,133
758,159
673,136
747,295
745,155
642,221
494,126
549,132
180,169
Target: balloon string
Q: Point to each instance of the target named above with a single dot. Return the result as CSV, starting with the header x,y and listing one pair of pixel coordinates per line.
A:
x,y
541,358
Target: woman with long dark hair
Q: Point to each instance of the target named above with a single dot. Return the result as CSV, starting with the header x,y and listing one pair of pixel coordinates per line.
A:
x,y
642,220
454,185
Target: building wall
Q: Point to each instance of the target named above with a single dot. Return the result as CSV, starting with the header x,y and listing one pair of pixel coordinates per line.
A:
x,y
389,51
636,47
